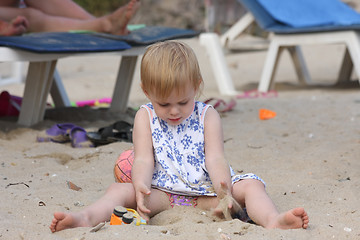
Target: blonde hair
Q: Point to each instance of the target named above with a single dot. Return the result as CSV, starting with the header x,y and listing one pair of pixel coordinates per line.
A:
x,y
168,66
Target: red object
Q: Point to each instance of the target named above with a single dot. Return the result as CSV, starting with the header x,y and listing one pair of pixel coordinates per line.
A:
x,y
265,114
123,165
9,105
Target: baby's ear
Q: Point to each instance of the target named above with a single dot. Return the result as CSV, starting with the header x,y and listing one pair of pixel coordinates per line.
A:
x,y
199,88
145,92
142,87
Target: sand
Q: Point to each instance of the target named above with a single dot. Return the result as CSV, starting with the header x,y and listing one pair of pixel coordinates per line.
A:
x,y
308,154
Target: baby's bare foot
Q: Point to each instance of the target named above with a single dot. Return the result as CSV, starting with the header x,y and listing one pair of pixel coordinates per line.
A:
x,y
63,221
294,218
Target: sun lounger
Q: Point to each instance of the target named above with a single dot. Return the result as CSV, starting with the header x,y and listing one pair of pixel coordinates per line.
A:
x,y
42,50
296,23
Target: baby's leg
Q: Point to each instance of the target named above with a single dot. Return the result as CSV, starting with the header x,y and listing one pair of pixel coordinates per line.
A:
x,y
117,194
157,202
260,208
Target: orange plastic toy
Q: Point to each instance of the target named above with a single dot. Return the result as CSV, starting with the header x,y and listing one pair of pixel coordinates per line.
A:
x,y
122,215
265,114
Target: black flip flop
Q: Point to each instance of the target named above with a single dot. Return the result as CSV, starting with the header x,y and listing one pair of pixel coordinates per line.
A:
x,y
120,131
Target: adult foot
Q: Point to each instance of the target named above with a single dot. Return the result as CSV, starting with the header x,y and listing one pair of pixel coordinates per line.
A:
x,y
294,218
63,221
17,26
117,21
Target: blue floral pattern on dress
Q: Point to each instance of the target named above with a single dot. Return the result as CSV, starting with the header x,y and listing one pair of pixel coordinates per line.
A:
x,y
180,154
186,141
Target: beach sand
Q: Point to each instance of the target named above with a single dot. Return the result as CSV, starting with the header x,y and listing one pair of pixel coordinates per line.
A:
x,y
308,154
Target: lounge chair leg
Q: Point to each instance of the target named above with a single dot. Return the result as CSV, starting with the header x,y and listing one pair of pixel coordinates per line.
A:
x,y
353,46
238,28
123,84
218,62
58,92
38,83
300,66
270,66
346,68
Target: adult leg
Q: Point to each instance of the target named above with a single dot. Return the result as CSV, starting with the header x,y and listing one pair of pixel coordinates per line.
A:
x,y
9,3
61,8
114,23
38,21
17,26
260,208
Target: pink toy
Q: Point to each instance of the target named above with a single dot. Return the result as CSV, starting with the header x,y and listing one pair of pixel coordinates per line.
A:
x,y
96,102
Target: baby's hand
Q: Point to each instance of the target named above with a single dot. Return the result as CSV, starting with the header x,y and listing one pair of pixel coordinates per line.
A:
x,y
142,192
228,206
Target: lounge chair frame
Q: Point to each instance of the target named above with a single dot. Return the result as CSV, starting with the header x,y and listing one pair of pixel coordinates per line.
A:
x,y
292,42
42,77
41,74
291,39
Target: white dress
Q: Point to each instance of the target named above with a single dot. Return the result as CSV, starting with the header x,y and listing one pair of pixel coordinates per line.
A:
x,y
180,156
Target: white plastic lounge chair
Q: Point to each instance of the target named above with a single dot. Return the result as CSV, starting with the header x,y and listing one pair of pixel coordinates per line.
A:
x,y
42,51
41,71
42,55
296,23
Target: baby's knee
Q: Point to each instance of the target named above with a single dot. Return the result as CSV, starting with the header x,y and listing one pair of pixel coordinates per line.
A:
x,y
123,187
247,184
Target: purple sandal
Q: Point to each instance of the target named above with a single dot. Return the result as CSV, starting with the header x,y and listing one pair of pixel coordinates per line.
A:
x,y
79,139
57,133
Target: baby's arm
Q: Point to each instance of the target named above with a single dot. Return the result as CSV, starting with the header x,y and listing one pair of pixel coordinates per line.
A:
x,y
143,166
216,164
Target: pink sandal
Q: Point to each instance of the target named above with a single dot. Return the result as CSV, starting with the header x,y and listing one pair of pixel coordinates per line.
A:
x,y
220,105
256,94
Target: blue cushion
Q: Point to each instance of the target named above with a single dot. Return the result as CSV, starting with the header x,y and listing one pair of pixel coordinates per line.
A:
x,y
151,34
65,42
62,42
298,16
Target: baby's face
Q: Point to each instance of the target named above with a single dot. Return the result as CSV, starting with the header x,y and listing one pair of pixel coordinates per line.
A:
x,y
177,107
